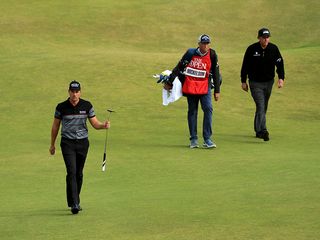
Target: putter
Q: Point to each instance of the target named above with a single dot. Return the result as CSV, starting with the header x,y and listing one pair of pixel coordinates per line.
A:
x,y
104,161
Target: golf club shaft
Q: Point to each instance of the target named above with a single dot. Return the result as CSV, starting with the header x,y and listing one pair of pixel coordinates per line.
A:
x,y
104,161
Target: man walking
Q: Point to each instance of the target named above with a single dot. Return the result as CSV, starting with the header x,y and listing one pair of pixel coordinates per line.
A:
x,y
259,64
73,114
195,70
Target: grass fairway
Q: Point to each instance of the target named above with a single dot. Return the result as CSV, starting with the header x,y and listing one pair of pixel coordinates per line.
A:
x,y
155,187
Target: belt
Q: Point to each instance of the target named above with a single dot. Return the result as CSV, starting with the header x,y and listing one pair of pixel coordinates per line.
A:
x,y
74,140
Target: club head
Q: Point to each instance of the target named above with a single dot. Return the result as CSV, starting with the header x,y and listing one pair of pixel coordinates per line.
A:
x,y
156,75
109,110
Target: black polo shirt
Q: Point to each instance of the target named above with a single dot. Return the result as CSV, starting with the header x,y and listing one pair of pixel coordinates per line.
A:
x,y
74,118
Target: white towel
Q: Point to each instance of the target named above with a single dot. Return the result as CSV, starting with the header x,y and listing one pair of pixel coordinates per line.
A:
x,y
169,96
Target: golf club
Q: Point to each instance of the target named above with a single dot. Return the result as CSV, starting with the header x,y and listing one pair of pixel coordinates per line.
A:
x,y
104,161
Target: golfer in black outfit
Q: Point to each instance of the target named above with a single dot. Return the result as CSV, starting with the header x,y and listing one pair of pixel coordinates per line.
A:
x,y
259,64
73,114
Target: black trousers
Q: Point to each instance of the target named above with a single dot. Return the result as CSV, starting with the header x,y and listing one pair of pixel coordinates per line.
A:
x,y
260,92
74,154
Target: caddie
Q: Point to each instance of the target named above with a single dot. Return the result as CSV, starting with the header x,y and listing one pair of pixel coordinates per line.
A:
x,y
198,70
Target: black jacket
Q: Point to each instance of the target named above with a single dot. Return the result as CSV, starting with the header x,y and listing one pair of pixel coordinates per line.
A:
x,y
259,64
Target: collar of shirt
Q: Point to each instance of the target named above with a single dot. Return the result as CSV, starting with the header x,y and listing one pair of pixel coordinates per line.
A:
x,y
200,53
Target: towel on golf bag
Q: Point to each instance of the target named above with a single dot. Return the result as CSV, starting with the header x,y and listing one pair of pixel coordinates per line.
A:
x,y
169,96
172,95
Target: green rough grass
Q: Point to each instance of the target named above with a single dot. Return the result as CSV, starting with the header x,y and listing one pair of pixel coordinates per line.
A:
x,y
155,187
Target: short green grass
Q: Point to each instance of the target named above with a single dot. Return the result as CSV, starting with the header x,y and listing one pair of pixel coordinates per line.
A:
x,y
155,187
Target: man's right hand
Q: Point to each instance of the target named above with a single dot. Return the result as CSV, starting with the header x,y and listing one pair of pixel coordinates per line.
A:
x,y
167,86
52,150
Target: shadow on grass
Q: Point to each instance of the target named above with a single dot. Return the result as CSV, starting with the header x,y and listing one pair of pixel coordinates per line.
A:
x,y
37,213
220,139
240,138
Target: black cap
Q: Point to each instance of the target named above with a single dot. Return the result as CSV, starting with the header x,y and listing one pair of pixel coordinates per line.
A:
x,y
74,85
264,32
204,38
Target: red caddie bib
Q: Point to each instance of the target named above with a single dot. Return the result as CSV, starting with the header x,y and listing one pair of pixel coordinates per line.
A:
x,y
196,75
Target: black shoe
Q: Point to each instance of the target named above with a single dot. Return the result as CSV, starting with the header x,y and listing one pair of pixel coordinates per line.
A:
x,y
75,209
265,136
259,135
80,208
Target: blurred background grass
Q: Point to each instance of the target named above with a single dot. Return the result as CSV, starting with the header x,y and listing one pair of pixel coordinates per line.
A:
x,y
155,187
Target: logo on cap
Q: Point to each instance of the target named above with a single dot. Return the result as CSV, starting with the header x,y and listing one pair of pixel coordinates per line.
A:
x,y
263,32
204,39
74,85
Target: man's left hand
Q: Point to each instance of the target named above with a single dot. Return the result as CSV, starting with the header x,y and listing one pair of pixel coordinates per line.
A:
x,y
280,83
106,124
216,96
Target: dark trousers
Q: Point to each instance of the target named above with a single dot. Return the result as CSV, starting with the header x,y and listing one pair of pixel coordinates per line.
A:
x,y
206,105
74,154
261,92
